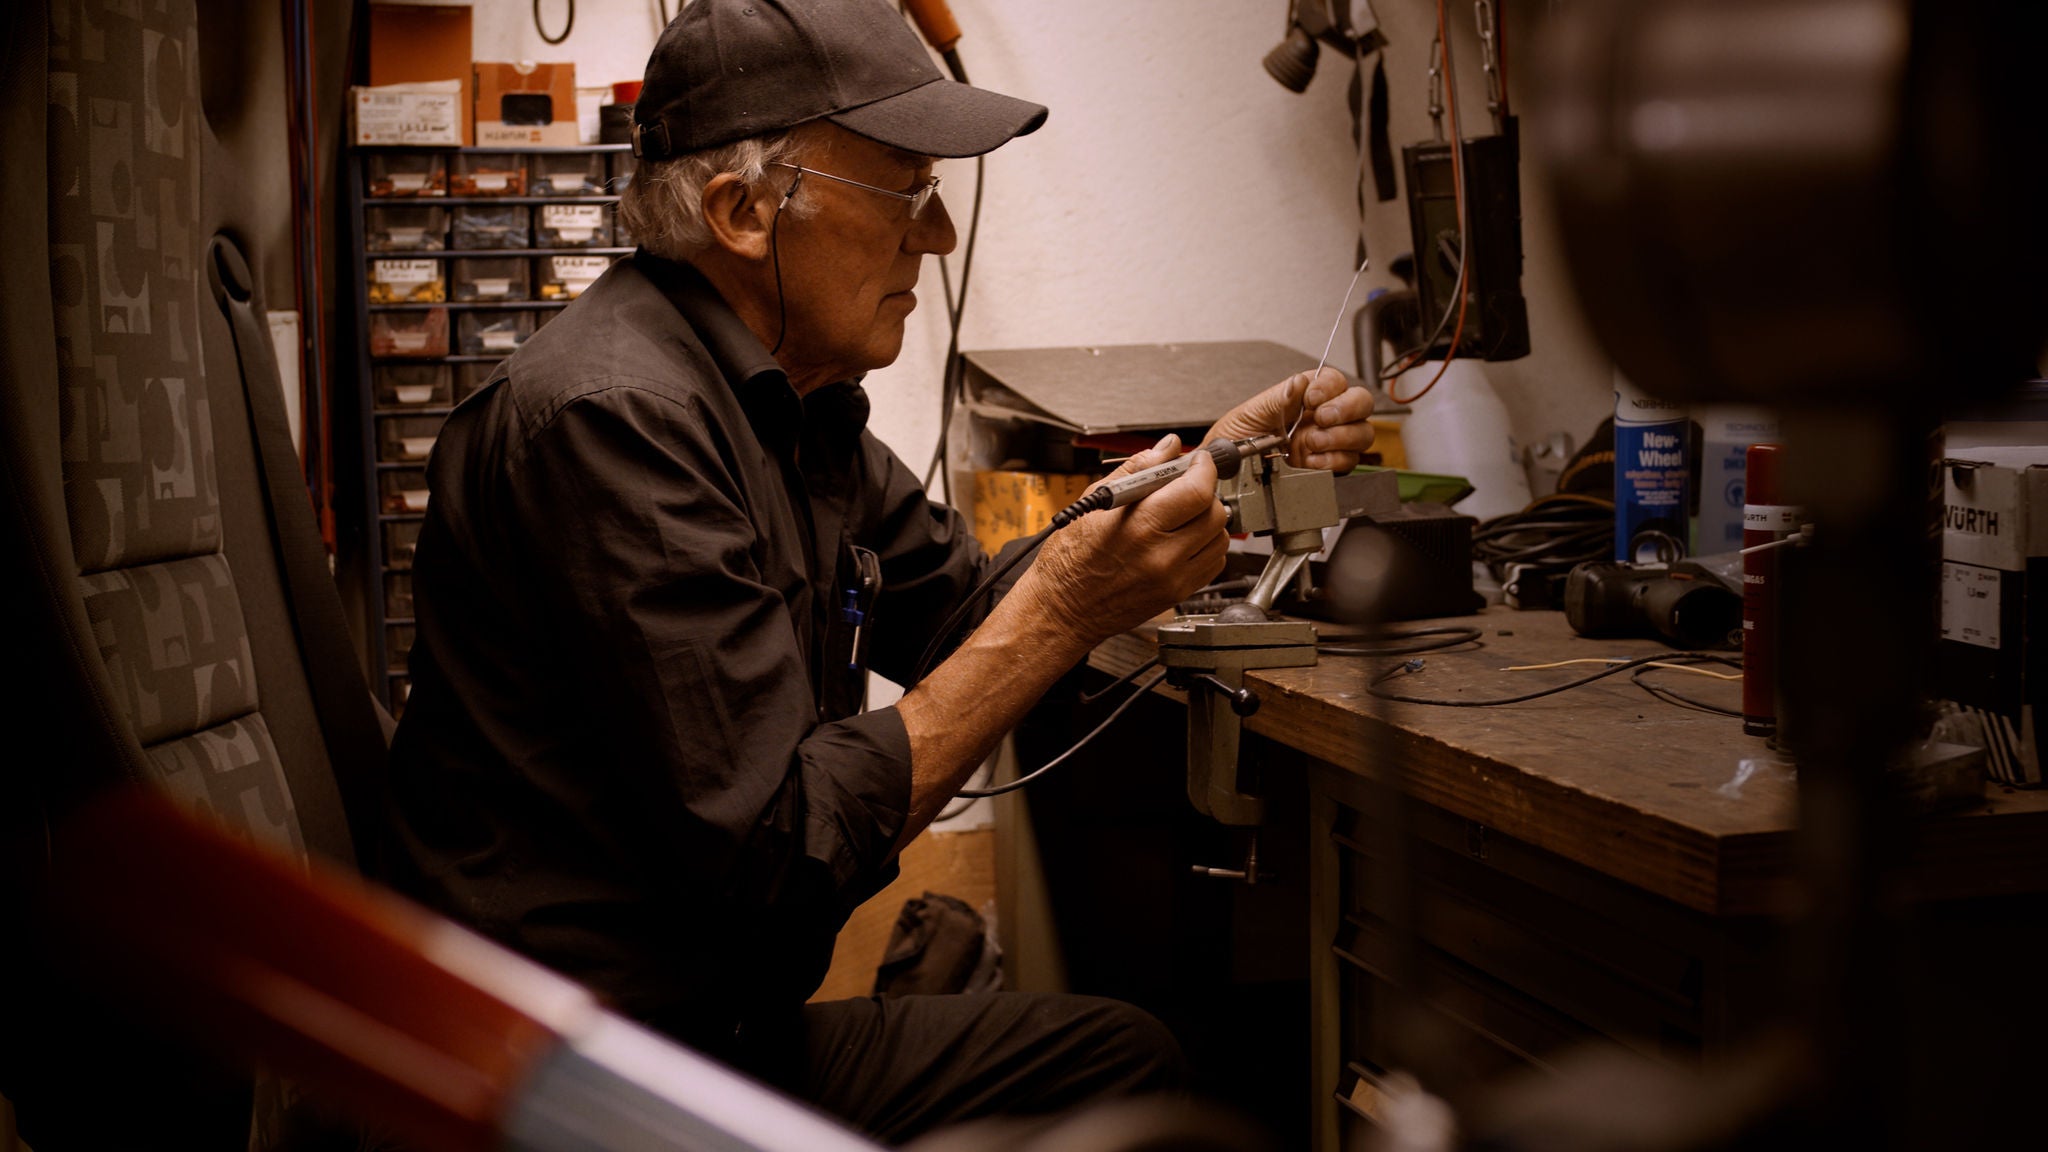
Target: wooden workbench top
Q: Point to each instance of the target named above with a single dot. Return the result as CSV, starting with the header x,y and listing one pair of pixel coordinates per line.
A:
x,y
1606,775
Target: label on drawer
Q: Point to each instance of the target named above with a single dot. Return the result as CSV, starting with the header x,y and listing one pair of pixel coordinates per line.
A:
x,y
493,287
577,272
405,272
573,222
1969,604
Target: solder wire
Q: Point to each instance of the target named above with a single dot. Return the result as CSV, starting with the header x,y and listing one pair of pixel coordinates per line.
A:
x,y
1327,345
1364,257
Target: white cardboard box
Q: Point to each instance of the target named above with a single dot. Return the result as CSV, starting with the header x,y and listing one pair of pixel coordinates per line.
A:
x,y
1992,659
429,112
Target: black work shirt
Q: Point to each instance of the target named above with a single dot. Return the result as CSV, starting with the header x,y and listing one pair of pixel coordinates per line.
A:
x,y
633,748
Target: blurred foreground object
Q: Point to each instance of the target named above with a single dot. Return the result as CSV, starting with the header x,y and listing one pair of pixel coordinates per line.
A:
x,y
430,1034
375,1007
1823,206
1772,200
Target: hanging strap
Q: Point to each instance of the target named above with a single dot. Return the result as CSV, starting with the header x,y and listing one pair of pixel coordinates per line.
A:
x,y
347,713
1381,147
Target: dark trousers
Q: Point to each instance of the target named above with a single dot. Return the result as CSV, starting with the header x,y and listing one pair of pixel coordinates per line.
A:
x,y
902,1067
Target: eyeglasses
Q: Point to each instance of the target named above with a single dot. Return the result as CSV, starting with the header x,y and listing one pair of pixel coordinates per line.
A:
x,y
919,197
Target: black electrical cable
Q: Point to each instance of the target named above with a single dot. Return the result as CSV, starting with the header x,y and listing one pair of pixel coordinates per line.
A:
x,y
1373,686
1402,643
567,25
1138,694
1673,696
775,257
946,630
953,810
1553,534
953,373
1126,678
1097,498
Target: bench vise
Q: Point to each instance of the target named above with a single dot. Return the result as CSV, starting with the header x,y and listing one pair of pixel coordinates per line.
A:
x,y
1208,655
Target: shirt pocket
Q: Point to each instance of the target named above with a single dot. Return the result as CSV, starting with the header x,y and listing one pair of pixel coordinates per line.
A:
x,y
849,632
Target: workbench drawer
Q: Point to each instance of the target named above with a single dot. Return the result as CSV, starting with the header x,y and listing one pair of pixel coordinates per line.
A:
x,y
1490,935
1490,1028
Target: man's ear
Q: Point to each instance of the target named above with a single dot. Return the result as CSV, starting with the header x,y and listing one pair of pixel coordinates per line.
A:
x,y
738,216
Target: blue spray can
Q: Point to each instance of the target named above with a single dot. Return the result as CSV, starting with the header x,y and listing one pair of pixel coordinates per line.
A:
x,y
1651,500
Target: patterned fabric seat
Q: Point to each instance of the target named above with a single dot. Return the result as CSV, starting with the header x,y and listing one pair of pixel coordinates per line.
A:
x,y
154,634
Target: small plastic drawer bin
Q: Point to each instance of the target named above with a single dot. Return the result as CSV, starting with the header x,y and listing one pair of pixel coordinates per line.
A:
x,y
483,278
421,333
486,333
487,226
406,439
397,646
405,228
405,174
567,174
470,377
414,281
413,385
622,172
572,226
397,594
488,174
565,277
403,490
401,540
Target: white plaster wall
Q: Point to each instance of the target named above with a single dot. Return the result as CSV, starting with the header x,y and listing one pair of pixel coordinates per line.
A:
x,y
1176,192
610,41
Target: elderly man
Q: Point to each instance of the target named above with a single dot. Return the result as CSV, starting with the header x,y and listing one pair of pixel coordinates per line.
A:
x,y
634,748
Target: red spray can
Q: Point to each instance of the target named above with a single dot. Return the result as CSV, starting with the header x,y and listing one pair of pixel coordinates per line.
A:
x,y
1766,519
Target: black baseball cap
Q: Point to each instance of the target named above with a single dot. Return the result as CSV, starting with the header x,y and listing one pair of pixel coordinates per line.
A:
x,y
724,70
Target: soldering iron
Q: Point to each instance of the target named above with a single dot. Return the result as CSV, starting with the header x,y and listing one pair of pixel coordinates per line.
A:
x,y
1122,490
1113,493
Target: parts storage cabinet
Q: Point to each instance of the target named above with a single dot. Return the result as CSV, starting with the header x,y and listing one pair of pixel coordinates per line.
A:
x,y
445,286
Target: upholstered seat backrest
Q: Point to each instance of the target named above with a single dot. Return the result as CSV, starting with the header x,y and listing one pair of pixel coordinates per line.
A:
x,y
159,635
137,408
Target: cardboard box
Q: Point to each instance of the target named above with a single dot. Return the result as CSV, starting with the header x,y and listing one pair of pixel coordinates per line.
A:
x,y
419,113
1992,661
1009,505
415,44
526,105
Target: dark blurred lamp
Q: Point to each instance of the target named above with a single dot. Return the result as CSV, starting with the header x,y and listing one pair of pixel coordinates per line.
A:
x,y
1776,200
1349,26
1293,61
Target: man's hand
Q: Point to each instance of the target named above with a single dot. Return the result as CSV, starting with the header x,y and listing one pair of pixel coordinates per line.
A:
x,y
1110,571
1332,435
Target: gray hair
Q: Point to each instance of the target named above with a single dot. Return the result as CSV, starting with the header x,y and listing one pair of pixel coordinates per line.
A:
x,y
663,207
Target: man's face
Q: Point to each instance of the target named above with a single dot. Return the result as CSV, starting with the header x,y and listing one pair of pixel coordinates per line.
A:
x,y
848,268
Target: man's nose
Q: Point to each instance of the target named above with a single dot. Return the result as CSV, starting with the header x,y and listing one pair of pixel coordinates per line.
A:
x,y
933,230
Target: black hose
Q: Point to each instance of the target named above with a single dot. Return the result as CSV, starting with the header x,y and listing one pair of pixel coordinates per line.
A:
x,y
567,25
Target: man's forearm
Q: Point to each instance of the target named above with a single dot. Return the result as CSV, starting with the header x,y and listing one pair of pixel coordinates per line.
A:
x,y
957,714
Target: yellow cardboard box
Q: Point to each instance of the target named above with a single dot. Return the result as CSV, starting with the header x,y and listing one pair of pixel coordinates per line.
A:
x,y
1009,505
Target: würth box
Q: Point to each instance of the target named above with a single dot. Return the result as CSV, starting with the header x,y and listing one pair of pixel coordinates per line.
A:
x,y
526,105
1992,661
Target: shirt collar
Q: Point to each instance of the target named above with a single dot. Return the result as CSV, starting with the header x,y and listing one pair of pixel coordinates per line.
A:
x,y
837,411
